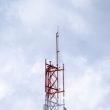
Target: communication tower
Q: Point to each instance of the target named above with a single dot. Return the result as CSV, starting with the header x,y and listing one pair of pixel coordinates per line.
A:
x,y
54,83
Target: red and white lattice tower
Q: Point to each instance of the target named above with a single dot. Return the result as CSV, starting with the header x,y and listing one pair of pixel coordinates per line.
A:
x,y
54,83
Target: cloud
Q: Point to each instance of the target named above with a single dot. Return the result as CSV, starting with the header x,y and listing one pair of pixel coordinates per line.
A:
x,y
38,67
24,104
32,12
5,89
83,5
20,79
86,92
78,24
88,83
27,35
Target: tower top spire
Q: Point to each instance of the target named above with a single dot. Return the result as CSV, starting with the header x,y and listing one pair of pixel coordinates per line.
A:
x,y
57,48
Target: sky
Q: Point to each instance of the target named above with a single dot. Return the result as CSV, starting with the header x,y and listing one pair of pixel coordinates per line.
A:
x,y
27,37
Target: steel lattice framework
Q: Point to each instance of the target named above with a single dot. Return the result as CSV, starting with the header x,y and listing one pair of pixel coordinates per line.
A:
x,y
54,83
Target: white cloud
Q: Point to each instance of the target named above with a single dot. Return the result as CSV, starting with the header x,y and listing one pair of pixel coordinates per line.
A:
x,y
78,24
24,104
104,67
29,13
78,21
32,12
11,61
38,67
22,75
88,85
86,91
5,89
39,15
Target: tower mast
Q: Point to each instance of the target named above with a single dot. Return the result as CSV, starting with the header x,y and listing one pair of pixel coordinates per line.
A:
x,y
54,93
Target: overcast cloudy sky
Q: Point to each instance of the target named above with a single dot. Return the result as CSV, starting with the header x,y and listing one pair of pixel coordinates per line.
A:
x,y
27,37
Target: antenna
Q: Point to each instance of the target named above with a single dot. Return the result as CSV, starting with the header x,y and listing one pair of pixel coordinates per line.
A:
x,y
57,46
